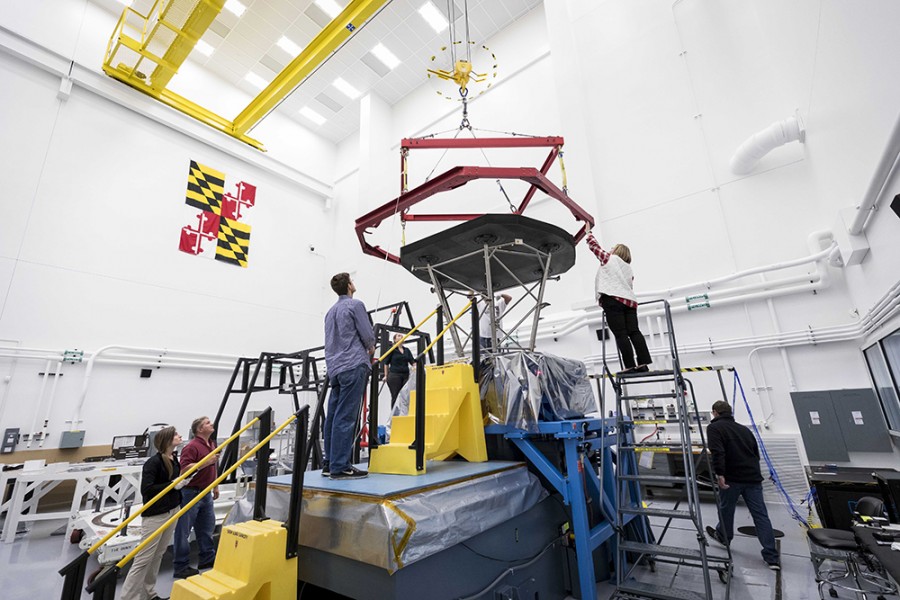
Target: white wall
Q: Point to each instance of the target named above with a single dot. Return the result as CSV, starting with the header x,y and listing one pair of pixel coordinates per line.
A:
x,y
92,213
673,91
653,101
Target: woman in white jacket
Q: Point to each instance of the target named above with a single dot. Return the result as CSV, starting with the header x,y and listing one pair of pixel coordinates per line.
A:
x,y
613,287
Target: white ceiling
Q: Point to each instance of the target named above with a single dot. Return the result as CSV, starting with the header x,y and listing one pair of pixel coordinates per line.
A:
x,y
249,43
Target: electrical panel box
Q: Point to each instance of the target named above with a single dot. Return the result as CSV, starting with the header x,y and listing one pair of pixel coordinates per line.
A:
x,y
834,423
819,427
10,439
861,421
72,439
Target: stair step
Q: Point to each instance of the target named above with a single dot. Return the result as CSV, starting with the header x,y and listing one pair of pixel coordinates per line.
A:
x,y
658,592
654,549
653,448
657,512
654,478
629,375
649,396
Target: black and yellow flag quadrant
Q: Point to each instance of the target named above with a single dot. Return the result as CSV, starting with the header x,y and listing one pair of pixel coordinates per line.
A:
x,y
234,242
220,230
205,188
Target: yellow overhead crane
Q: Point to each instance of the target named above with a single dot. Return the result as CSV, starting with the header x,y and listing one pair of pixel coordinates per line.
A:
x,y
146,50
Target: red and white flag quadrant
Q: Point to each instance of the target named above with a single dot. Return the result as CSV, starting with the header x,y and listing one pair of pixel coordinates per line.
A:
x,y
221,228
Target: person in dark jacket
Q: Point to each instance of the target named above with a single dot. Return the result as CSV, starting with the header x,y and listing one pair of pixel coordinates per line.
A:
x,y
158,472
396,368
735,458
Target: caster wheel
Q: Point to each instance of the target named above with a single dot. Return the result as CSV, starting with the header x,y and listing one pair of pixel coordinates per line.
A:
x,y
76,536
833,593
723,576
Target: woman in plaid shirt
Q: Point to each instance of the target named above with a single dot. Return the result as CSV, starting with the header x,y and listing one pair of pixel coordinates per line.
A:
x,y
613,287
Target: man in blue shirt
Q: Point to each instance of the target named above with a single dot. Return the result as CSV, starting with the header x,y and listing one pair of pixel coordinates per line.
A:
x,y
349,346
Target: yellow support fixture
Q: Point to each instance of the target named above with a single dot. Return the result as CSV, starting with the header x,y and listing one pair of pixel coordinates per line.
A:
x,y
250,565
453,423
319,49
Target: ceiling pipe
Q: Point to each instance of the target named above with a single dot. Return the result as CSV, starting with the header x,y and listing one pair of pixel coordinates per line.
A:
x,y
668,293
819,280
761,143
880,179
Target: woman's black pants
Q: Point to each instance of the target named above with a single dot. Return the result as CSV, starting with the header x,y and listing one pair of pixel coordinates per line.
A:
x,y
623,322
395,382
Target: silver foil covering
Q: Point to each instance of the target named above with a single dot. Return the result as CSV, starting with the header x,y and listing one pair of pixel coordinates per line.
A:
x,y
522,388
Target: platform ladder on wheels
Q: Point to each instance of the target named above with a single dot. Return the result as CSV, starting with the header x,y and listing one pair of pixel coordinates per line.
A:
x,y
630,552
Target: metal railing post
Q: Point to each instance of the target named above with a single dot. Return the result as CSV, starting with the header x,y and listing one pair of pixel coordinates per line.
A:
x,y
476,341
74,577
295,505
419,443
262,467
440,328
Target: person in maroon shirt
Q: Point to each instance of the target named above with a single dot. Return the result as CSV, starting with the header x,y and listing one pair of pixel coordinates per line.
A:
x,y
201,517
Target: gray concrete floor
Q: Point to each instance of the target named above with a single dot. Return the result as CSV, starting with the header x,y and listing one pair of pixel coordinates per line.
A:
x,y
29,565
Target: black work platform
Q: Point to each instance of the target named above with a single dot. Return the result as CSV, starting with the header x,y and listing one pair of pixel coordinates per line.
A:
x,y
463,245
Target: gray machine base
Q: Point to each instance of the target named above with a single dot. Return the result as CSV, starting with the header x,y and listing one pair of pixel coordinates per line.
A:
x,y
464,569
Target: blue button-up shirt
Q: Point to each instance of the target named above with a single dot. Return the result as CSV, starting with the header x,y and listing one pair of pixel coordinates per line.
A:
x,y
348,336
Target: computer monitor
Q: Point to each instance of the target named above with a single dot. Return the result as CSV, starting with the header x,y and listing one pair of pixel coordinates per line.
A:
x,y
130,446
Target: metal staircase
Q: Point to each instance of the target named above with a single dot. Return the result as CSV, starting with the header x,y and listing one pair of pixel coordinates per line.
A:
x,y
634,580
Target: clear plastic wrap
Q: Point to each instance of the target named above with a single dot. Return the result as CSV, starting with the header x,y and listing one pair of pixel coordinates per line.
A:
x,y
522,388
392,532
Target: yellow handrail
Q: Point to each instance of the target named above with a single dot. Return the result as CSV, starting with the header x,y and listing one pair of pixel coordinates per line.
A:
x,y
200,496
168,488
449,325
409,333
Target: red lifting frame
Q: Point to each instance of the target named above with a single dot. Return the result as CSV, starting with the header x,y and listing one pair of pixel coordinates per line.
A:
x,y
458,176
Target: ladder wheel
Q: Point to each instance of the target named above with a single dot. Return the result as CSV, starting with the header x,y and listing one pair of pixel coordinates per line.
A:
x,y
723,575
833,593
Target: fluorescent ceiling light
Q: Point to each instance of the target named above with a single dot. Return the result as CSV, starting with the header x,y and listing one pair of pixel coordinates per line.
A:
x,y
204,48
312,115
235,7
389,59
255,80
288,46
124,2
346,89
329,7
433,16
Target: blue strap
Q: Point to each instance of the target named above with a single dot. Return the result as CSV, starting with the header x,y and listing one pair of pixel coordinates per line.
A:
x,y
773,474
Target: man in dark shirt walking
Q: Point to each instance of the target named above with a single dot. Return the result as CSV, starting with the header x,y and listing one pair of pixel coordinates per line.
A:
x,y
735,457
349,346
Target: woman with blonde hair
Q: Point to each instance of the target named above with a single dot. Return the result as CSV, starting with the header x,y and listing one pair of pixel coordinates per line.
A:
x,y
615,294
158,472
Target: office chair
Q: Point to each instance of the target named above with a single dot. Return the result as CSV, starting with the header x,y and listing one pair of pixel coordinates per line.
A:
x,y
858,574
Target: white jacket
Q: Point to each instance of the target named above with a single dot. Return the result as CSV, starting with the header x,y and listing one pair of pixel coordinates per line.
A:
x,y
614,279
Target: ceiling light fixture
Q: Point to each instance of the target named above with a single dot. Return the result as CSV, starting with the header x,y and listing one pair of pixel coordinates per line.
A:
x,y
312,115
288,46
346,89
433,17
255,80
235,7
204,48
387,57
329,7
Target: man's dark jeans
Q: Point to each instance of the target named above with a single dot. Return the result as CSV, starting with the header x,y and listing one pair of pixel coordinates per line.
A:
x,y
753,496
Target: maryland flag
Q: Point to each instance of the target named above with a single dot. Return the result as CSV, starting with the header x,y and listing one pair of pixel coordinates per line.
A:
x,y
220,230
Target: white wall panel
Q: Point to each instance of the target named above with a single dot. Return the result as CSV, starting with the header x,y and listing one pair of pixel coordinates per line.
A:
x,y
28,110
